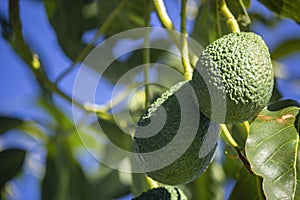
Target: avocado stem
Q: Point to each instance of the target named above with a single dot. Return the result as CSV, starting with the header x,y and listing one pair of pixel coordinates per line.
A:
x,y
162,14
230,19
152,183
234,144
228,136
188,70
146,55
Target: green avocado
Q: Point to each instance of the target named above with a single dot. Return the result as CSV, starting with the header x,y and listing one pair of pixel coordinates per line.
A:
x,y
163,193
174,141
233,78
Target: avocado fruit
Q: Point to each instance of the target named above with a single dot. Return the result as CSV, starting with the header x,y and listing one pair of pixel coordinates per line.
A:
x,y
174,142
162,193
233,78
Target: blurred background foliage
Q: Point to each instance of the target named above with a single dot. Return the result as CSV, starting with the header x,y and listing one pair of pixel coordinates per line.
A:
x,y
62,166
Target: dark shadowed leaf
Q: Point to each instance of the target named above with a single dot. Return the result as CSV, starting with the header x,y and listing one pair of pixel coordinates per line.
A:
x,y
286,48
109,186
209,184
119,67
11,163
232,165
129,14
210,24
284,8
276,94
7,123
69,23
247,187
115,134
239,10
64,178
272,149
205,30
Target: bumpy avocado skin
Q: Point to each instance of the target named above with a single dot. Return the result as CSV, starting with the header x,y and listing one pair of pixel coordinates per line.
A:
x,y
163,193
239,66
190,164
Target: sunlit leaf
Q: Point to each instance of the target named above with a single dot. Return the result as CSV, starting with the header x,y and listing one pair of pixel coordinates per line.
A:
x,y
272,149
286,48
64,178
247,187
11,163
7,123
284,8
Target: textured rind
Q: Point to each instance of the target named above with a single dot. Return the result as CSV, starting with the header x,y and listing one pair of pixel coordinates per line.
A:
x,y
238,65
188,166
163,193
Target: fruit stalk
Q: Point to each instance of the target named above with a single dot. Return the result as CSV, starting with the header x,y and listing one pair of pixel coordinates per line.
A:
x,y
188,70
230,20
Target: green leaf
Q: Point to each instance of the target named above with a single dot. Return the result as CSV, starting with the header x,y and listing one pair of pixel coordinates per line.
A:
x,y
276,94
118,68
286,48
210,24
272,149
109,186
238,9
139,184
11,163
7,123
205,28
64,178
131,15
284,8
209,184
232,165
249,184
115,134
69,23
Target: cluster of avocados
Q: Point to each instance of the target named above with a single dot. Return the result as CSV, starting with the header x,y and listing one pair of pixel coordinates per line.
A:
x,y
237,67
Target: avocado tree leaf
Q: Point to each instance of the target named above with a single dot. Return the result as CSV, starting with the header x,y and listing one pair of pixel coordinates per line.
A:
x,y
205,28
62,14
109,186
272,149
7,123
11,163
239,10
64,178
129,14
249,184
139,184
284,8
209,184
286,48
